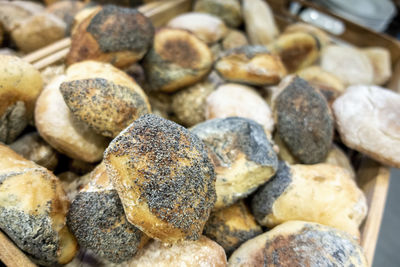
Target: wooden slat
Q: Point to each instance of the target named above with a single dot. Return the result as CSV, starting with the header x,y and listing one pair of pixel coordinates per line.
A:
x,y
373,179
11,256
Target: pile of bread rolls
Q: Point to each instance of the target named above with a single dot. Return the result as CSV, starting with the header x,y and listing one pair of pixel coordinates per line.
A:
x,y
216,140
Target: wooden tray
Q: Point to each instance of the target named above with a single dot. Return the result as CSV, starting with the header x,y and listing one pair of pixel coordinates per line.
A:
x,y
372,177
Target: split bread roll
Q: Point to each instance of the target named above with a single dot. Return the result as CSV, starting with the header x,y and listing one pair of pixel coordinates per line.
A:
x,y
56,124
232,226
120,36
164,178
199,253
321,193
20,85
250,64
298,243
97,219
33,208
103,97
368,120
242,155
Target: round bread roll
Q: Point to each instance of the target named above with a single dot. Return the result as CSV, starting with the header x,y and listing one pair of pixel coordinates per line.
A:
x,y
13,12
251,65
97,219
260,23
328,84
367,119
103,97
232,226
349,64
233,39
38,31
206,27
298,243
120,36
297,50
20,85
203,252
381,63
61,130
32,147
235,100
321,193
304,121
228,10
242,155
66,10
177,59
164,178
188,104
33,208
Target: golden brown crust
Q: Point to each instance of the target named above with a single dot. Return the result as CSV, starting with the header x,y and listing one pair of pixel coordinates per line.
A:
x,y
34,217
164,178
251,65
103,35
177,59
232,226
297,50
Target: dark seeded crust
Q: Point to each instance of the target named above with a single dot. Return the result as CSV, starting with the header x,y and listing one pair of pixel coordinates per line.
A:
x,y
304,122
113,26
310,247
97,220
12,122
234,133
230,238
95,101
170,169
33,233
267,194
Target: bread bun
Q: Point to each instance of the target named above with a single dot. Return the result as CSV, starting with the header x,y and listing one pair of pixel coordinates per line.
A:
x,y
103,97
120,36
298,243
203,252
242,155
61,130
177,59
233,39
97,219
33,210
321,193
164,178
304,121
235,100
367,119
251,65
381,63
